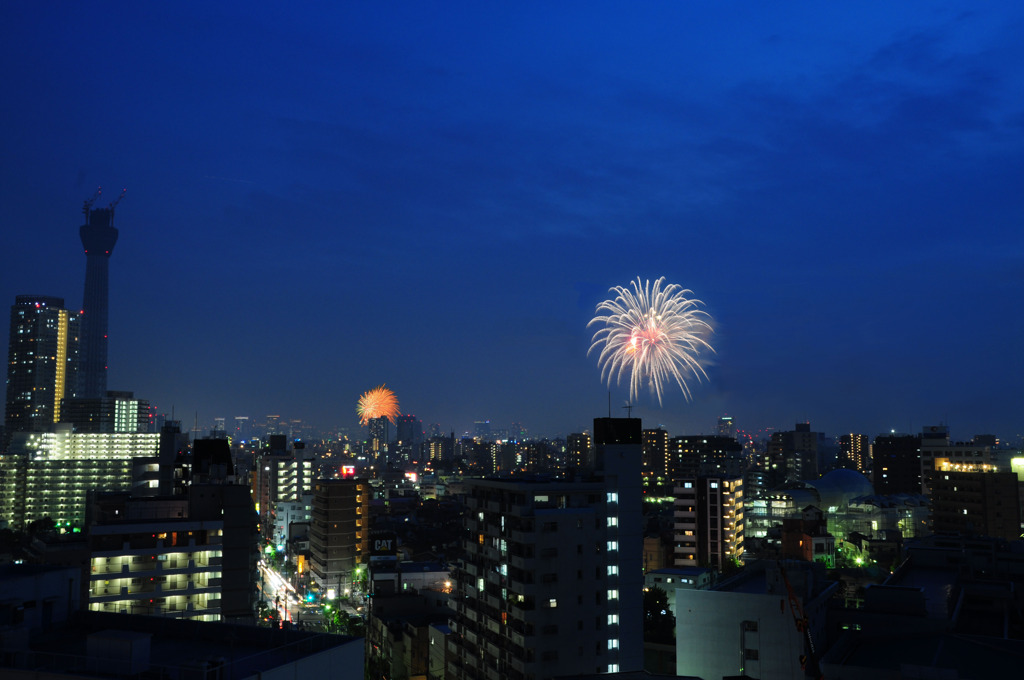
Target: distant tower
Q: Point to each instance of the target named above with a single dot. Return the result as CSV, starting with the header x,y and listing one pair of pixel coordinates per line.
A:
x,y
726,426
41,362
98,238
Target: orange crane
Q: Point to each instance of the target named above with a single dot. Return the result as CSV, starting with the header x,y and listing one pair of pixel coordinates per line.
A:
x,y
808,661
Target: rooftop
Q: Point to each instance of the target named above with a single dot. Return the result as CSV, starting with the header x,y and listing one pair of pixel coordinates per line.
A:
x,y
95,643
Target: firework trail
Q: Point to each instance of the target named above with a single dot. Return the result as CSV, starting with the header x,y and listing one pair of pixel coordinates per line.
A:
x,y
380,402
652,334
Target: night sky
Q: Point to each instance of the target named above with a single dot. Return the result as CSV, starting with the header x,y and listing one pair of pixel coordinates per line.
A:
x,y
435,196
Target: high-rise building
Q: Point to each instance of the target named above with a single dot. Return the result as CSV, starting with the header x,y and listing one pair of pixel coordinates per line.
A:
x,y
379,439
896,464
283,476
854,450
482,430
42,362
655,453
796,453
409,433
726,427
577,452
98,238
339,531
708,521
551,583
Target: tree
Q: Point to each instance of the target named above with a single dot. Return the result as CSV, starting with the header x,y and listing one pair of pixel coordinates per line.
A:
x,y
659,624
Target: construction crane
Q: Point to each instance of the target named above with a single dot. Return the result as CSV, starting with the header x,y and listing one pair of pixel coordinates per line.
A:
x,y
808,661
87,203
118,199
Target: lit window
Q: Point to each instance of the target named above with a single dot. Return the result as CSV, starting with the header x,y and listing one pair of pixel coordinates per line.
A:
x,y
613,594
613,619
613,668
613,570
553,602
613,521
613,644
613,545
613,497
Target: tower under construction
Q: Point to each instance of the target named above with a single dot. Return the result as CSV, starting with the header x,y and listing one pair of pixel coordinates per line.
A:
x,y
98,238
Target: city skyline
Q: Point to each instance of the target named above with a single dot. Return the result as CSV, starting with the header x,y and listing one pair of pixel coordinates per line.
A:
x,y
320,204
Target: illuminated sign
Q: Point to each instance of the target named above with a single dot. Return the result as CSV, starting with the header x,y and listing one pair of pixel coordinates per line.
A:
x,y
383,543
347,471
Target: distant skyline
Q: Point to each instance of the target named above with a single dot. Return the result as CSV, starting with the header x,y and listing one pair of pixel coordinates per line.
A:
x,y
437,198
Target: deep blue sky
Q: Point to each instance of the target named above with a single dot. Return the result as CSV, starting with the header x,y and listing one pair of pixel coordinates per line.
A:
x,y
436,195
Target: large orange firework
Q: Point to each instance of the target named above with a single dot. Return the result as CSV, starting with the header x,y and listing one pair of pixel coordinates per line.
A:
x,y
380,402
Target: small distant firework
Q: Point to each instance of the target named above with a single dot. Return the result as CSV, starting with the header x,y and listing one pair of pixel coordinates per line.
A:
x,y
652,334
380,402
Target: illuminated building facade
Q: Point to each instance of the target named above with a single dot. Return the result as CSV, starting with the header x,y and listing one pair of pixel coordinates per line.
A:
x,y
577,450
854,452
705,455
726,427
339,530
190,558
655,453
42,362
115,412
939,456
709,524
49,474
283,476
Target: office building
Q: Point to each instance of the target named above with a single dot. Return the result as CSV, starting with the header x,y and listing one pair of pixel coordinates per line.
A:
x,y
42,363
98,238
339,531
726,427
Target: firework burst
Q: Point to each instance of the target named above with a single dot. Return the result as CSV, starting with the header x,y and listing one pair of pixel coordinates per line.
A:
x,y
380,402
653,334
